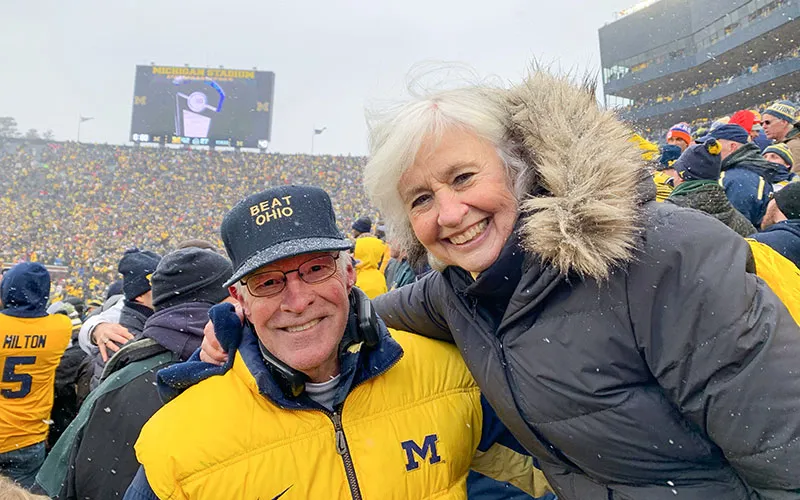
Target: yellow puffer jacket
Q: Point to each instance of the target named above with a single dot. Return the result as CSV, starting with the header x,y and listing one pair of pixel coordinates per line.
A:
x,y
369,253
782,276
410,432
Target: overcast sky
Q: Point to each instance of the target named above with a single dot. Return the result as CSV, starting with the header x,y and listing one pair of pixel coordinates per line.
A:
x,y
59,59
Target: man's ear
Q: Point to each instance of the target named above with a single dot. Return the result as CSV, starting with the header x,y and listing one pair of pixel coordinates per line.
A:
x,y
239,297
350,275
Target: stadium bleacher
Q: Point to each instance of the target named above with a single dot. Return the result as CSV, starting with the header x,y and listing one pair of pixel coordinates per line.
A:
x,y
80,205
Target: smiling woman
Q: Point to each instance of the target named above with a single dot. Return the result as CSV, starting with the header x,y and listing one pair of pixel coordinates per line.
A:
x,y
613,335
459,200
445,141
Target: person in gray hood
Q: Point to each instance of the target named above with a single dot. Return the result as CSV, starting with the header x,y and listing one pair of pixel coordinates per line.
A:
x,y
622,341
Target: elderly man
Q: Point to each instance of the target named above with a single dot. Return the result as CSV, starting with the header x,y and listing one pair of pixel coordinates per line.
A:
x,y
318,399
779,125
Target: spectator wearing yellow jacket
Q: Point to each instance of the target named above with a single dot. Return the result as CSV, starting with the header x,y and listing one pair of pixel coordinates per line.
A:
x,y
317,400
369,253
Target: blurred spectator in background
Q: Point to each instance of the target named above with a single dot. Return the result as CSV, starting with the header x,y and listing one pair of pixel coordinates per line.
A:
x,y
363,225
664,175
757,134
680,135
96,459
779,124
398,271
696,186
33,343
780,154
781,157
750,121
369,254
781,224
136,267
746,176
73,377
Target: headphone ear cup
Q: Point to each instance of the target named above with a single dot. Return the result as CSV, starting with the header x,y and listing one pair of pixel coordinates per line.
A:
x,y
368,330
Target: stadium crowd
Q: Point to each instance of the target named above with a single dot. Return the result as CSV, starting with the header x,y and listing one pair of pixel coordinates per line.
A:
x,y
77,205
724,79
493,232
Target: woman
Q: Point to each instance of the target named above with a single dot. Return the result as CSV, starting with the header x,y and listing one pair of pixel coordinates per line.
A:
x,y
619,339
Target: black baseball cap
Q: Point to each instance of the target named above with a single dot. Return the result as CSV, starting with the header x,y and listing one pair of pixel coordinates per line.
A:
x,y
278,223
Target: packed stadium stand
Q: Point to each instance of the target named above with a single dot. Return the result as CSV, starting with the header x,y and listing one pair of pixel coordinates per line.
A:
x,y
690,60
81,205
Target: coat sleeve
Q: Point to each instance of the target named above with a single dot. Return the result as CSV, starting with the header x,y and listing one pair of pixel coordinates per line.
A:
x,y
108,316
416,308
500,457
720,343
748,192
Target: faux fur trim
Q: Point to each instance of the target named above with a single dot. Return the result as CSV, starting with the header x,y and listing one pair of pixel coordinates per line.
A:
x,y
580,213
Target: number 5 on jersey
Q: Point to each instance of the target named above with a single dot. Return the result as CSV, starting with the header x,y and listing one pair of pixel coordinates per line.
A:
x,y
10,375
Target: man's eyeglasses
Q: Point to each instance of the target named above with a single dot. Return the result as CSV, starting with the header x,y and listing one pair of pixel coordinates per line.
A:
x,y
766,122
271,283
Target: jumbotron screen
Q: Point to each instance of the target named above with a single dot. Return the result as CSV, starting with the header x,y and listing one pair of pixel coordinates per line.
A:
x,y
202,106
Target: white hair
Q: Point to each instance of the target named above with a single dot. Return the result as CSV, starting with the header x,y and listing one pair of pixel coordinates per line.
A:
x,y
398,132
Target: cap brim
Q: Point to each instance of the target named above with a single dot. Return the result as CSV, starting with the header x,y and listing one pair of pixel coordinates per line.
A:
x,y
285,250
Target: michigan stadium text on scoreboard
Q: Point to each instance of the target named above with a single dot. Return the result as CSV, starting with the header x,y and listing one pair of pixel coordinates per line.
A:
x,y
202,106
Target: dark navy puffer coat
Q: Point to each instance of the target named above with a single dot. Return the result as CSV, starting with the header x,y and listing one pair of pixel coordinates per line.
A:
x,y
630,351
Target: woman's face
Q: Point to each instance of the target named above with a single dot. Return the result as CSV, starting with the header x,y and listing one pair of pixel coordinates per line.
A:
x,y
457,197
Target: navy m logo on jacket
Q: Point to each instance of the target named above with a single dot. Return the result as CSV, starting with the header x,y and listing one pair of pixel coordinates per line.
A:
x,y
428,446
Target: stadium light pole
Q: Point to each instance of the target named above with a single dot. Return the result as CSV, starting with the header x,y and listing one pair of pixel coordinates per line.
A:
x,y
315,133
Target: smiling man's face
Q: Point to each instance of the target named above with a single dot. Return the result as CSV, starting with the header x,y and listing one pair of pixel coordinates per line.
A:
x,y
303,324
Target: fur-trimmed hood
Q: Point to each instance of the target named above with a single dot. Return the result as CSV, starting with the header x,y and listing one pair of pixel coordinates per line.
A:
x,y
580,212
578,174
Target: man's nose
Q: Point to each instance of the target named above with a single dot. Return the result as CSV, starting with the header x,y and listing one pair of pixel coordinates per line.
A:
x,y
451,210
297,295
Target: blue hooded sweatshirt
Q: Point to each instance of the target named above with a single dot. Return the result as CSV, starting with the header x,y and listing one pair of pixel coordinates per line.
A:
x,y
25,290
784,238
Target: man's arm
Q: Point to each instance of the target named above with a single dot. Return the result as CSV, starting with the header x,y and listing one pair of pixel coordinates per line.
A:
x,y
500,457
140,489
85,334
102,327
416,308
722,346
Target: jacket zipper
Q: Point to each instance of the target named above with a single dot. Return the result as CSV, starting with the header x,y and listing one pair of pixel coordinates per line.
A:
x,y
344,451
341,441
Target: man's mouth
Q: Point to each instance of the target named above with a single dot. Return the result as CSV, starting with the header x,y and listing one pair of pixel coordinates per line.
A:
x,y
303,327
470,234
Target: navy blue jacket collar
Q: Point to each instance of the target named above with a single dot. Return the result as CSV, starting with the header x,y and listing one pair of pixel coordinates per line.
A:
x,y
356,365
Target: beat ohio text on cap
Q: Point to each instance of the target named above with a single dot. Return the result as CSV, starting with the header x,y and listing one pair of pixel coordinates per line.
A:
x,y
266,210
